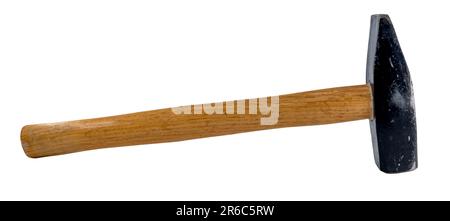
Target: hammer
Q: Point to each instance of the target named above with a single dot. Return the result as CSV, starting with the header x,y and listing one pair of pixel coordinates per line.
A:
x,y
386,99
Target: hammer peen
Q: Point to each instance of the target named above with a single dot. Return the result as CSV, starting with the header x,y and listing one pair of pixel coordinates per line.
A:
x,y
386,99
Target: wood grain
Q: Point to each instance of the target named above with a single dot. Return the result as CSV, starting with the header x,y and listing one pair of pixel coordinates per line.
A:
x,y
308,108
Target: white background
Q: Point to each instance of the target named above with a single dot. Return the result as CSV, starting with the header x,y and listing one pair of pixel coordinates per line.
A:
x,y
67,60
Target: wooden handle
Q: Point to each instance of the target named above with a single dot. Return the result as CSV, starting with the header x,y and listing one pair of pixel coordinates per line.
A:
x,y
307,108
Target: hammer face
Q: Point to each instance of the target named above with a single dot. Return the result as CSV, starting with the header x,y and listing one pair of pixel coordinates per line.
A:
x,y
393,127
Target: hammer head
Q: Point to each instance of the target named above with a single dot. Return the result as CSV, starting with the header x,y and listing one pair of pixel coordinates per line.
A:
x,y
393,126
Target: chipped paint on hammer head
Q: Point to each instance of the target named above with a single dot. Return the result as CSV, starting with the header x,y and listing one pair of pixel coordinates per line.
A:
x,y
393,127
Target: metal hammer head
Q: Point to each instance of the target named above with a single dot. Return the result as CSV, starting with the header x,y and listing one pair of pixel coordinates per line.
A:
x,y
393,126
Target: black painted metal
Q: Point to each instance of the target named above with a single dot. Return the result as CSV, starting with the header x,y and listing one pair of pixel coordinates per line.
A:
x,y
394,125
